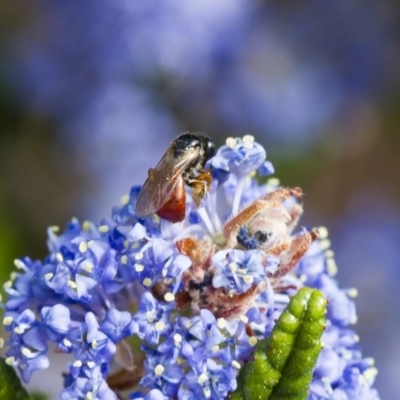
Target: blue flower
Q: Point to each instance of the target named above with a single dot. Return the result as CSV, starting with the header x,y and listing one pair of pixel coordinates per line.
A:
x,y
239,270
88,384
27,343
192,298
152,318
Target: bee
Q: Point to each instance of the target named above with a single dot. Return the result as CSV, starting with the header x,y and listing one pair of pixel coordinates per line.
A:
x,y
163,192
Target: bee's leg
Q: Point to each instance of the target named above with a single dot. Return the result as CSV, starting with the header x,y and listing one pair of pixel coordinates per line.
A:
x,y
199,184
295,253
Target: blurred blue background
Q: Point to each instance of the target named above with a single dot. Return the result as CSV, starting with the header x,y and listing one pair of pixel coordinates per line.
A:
x,y
92,93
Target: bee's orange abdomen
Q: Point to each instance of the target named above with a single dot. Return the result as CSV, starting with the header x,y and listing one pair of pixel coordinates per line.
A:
x,y
175,208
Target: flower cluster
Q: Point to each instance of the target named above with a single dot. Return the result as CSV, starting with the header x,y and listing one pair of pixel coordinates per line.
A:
x,y
175,310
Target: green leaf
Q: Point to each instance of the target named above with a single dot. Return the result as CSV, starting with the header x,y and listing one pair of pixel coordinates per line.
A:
x,y
10,387
282,365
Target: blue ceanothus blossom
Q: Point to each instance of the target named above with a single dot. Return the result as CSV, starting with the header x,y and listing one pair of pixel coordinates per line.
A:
x,y
175,310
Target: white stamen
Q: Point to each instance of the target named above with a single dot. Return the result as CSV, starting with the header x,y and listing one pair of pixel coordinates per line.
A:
x,y
185,232
329,253
1,342
159,326
159,369
353,292
169,296
19,330
221,322
138,256
147,282
86,225
215,348
77,364
7,285
244,319
83,247
19,264
139,267
273,182
26,352
236,365
322,232
331,267
207,392
91,364
370,374
151,315
72,284
206,219
231,142
59,257
88,266
124,259
67,343
202,378
248,141
252,341
125,199
248,279
48,276
238,195
94,344
7,321
104,228
89,396
177,339
10,360
325,244
233,266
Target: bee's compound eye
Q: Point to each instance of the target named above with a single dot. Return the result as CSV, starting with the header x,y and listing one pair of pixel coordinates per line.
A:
x,y
209,148
185,142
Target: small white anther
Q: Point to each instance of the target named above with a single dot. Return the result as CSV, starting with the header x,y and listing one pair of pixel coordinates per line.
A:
x,y
248,279
83,247
235,364
104,228
159,369
48,276
202,378
322,232
147,282
7,321
160,325
10,360
169,296
325,244
221,322
125,199
19,264
139,267
231,142
248,141
252,341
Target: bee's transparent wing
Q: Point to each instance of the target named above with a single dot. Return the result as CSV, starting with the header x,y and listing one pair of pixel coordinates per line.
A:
x,y
161,181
